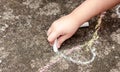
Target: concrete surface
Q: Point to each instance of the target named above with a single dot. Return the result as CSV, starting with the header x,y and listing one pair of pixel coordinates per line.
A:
x,y
23,39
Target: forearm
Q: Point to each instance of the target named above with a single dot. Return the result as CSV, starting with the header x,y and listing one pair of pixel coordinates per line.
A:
x,y
90,8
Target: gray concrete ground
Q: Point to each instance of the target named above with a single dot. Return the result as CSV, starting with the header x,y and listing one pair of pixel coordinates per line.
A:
x,y
23,39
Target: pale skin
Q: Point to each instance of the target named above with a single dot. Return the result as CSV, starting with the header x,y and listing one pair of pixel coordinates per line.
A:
x,y
63,28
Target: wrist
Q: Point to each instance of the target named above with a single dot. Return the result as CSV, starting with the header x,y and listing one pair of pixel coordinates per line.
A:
x,y
77,19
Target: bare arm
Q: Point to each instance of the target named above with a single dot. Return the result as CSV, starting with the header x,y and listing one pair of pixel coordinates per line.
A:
x,y
90,8
66,26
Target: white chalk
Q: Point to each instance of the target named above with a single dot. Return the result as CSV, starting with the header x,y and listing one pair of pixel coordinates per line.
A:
x,y
55,49
86,24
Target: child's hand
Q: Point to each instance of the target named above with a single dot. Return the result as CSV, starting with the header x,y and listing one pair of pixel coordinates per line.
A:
x,y
66,26
62,29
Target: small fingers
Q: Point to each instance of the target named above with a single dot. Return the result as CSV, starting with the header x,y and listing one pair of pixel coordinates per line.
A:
x,y
62,39
51,38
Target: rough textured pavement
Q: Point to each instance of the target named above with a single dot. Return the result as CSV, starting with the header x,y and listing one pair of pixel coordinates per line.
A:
x,y
23,39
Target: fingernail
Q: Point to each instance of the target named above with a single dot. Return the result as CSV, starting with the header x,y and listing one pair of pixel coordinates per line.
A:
x,y
47,34
49,39
58,46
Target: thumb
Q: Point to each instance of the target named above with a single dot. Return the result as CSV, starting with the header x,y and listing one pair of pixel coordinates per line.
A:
x,y
51,38
62,39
